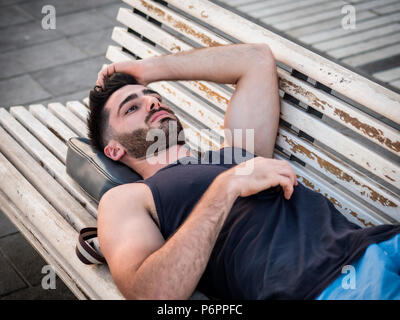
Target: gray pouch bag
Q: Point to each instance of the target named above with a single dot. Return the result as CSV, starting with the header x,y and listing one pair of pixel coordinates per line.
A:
x,y
95,173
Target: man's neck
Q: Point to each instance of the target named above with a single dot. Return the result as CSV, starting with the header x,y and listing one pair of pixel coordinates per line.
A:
x,y
149,166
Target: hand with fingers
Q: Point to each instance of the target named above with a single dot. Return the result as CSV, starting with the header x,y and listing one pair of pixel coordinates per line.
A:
x,y
264,173
131,67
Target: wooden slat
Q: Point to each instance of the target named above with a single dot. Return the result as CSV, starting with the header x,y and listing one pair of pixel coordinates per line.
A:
x,y
356,152
45,158
54,124
341,112
174,20
44,135
51,139
115,53
73,122
78,109
52,236
338,78
86,101
54,193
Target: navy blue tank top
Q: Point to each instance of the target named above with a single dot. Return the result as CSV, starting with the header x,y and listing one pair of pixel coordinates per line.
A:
x,y
268,247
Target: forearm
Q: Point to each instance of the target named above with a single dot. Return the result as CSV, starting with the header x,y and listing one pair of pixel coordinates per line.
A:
x,y
223,64
173,271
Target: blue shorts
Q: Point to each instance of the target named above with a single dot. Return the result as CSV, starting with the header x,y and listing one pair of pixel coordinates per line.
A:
x,y
375,276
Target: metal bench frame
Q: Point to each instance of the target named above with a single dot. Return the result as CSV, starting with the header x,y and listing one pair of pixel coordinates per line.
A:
x,y
339,130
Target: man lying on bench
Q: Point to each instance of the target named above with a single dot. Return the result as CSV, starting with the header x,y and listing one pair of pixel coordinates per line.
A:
x,y
233,230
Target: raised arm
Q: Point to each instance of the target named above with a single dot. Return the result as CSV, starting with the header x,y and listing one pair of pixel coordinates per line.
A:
x,y
255,103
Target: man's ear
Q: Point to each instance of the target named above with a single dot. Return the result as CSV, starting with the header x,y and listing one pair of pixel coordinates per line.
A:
x,y
114,150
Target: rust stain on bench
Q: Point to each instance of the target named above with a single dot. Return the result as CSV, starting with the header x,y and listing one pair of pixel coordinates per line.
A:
x,y
180,25
308,183
367,224
314,101
176,48
370,131
373,195
211,93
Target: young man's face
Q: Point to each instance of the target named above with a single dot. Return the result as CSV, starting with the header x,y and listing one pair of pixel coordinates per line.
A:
x,y
134,110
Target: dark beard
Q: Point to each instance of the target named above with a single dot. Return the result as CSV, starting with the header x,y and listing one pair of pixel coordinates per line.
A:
x,y
136,144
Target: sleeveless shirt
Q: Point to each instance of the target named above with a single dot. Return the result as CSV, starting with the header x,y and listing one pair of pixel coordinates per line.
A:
x,y
268,247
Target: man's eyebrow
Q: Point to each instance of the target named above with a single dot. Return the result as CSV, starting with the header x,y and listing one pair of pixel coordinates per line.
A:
x,y
149,91
134,96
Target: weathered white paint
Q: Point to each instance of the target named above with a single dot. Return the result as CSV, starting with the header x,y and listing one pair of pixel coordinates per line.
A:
x,y
78,109
58,127
70,119
76,215
54,166
57,147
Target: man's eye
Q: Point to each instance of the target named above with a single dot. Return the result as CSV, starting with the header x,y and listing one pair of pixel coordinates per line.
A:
x,y
130,109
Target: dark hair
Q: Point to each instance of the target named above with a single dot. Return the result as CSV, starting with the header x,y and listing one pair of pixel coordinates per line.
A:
x,y
97,120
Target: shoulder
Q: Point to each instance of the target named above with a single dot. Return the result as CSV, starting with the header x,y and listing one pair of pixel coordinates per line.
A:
x,y
126,191
131,195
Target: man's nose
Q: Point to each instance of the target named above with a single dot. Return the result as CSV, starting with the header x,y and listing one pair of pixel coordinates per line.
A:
x,y
152,103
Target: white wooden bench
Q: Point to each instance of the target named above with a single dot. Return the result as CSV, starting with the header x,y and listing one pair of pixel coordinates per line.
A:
x,y
339,130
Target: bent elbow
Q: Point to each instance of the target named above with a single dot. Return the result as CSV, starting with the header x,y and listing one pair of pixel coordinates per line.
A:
x,y
264,53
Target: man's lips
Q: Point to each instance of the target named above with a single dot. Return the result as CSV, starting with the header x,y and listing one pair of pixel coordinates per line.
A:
x,y
158,115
